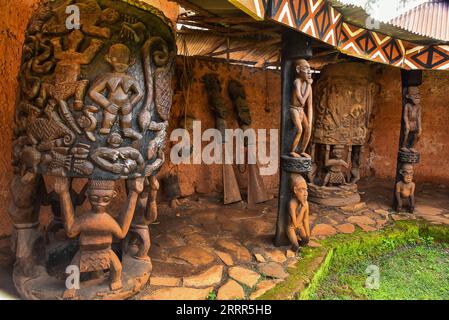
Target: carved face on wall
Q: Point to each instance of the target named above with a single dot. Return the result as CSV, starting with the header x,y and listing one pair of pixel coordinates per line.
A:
x,y
119,56
110,16
129,166
407,172
337,152
303,70
299,186
100,198
115,140
414,95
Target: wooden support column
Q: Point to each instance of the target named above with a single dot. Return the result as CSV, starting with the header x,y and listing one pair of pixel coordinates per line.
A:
x,y
410,78
295,45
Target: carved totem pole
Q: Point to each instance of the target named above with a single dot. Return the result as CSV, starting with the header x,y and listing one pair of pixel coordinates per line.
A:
x,y
94,105
296,124
411,130
342,110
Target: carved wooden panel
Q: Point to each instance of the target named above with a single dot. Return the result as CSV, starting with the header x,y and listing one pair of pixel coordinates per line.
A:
x,y
93,99
343,106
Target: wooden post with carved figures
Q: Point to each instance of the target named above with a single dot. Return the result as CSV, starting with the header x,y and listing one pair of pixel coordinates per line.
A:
x,y
411,130
296,118
94,105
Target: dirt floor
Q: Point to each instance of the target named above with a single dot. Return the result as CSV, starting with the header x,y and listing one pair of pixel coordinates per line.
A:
x,y
205,250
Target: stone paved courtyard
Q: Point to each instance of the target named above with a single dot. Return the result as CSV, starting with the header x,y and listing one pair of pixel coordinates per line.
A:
x,y
203,247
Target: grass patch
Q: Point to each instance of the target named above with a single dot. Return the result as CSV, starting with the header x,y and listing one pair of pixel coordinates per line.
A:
x,y
343,252
411,272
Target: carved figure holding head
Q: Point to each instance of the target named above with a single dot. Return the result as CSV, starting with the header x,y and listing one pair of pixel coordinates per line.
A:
x,y
301,110
405,189
412,120
298,228
335,166
97,228
124,92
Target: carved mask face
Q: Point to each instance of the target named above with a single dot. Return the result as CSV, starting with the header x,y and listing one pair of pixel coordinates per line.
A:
x,y
119,57
305,73
129,166
414,95
115,140
301,193
101,199
110,16
407,173
337,153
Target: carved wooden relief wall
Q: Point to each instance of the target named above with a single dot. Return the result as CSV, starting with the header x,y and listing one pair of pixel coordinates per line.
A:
x,y
343,105
94,103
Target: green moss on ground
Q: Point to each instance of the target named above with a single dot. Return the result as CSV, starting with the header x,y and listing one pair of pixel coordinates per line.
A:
x,y
411,272
342,251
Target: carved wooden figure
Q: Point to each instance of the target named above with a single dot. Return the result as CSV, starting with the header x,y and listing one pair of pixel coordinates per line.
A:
x,y
97,227
301,108
405,189
412,120
335,166
298,228
124,92
94,105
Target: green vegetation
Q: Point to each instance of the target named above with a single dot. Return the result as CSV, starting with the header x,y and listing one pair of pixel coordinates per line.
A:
x,y
337,269
414,272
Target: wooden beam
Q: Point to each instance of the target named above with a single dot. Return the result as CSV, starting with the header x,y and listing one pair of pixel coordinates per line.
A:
x,y
188,5
246,47
223,60
227,20
269,32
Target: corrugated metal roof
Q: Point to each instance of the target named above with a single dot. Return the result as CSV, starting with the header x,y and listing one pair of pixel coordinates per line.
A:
x,y
430,19
357,15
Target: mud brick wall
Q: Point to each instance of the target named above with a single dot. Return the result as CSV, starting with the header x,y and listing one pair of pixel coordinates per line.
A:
x,y
263,95
381,150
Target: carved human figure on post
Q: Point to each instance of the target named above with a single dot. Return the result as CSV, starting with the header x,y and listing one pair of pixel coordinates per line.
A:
x,y
405,188
124,92
146,213
298,228
301,109
412,120
336,165
97,228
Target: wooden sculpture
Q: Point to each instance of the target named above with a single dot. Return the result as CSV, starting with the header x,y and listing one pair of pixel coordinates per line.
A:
x,y
94,105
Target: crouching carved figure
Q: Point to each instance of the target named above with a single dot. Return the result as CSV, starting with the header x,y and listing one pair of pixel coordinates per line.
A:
x,y
298,229
93,108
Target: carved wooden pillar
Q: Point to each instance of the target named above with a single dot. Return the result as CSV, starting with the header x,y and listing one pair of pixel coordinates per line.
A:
x,y
411,129
294,46
94,104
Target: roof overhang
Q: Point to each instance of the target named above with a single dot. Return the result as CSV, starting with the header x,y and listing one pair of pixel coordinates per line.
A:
x,y
320,20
